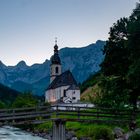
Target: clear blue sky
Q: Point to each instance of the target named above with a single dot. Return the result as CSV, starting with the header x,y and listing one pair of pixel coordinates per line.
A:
x,y
28,27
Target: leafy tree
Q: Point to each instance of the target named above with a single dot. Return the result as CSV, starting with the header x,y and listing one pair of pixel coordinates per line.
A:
x,y
113,94
116,55
115,66
7,95
133,74
25,100
2,105
121,66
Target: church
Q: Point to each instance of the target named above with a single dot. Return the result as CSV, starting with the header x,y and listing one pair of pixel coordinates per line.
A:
x,y
63,87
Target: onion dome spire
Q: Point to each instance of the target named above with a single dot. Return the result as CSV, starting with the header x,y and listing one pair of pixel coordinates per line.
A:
x,y
55,46
55,59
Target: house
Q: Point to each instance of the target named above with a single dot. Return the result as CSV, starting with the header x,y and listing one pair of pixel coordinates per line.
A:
x,y
63,87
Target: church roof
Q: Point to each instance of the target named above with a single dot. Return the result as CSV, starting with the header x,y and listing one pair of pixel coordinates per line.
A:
x,y
73,87
64,79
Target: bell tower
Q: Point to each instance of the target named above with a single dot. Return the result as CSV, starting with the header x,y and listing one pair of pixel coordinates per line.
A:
x,y
55,67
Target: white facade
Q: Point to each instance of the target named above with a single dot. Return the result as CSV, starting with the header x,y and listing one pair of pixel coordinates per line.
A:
x,y
67,96
63,87
52,95
72,96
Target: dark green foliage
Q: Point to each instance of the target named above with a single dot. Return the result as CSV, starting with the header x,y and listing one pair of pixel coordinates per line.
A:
x,y
47,126
114,94
103,133
116,55
119,79
91,130
121,66
7,95
25,100
134,136
133,74
115,50
2,105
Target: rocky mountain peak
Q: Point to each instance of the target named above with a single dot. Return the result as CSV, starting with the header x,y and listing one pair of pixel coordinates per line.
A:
x,y
80,61
22,64
2,65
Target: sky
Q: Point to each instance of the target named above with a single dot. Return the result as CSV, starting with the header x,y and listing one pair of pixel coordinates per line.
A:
x,y
28,27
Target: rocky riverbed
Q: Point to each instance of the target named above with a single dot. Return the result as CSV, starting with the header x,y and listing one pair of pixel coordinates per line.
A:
x,y
12,133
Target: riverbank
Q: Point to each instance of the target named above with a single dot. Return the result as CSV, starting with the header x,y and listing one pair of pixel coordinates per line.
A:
x,y
79,131
70,135
43,134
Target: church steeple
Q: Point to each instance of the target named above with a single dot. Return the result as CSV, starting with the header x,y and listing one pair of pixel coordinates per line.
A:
x,y
55,46
55,59
55,63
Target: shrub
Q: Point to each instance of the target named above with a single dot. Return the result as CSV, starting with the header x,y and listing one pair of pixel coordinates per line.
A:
x,y
2,105
44,126
94,131
25,100
134,136
102,132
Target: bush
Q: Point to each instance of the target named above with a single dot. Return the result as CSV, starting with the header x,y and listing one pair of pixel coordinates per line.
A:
x,y
93,131
2,105
44,126
25,100
134,136
102,132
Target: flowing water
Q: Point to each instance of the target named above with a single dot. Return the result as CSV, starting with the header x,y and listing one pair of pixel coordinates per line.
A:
x,y
12,133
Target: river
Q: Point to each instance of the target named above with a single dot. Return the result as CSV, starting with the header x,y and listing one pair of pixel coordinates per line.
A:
x,y
12,133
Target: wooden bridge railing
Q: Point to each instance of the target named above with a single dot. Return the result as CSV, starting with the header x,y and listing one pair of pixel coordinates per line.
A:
x,y
24,115
68,113
87,114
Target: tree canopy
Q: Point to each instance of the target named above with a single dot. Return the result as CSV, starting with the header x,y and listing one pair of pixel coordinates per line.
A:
x,y
121,66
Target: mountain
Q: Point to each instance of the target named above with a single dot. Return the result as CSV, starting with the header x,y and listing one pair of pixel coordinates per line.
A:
x,y
82,62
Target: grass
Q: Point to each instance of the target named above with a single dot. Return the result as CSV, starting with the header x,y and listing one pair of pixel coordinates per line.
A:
x,y
91,130
88,130
45,127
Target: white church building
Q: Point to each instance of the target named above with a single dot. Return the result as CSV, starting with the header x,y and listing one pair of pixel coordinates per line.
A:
x,y
63,87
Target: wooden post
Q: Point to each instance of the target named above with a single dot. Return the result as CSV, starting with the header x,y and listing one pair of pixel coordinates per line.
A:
x,y
78,113
13,121
58,130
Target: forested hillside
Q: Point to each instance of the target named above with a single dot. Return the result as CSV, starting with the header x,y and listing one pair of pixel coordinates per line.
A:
x,y
10,98
7,95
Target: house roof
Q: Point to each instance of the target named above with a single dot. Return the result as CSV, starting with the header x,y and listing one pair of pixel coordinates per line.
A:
x,y
64,79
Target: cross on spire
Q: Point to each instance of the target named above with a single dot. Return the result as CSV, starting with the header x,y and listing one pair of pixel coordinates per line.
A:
x,y
55,40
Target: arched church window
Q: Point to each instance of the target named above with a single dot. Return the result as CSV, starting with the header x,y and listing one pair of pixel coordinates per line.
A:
x,y
56,70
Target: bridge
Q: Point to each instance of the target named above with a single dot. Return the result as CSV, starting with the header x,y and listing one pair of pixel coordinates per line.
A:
x,y
62,114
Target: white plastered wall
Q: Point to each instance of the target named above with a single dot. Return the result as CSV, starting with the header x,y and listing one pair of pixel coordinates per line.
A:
x,y
53,95
74,95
